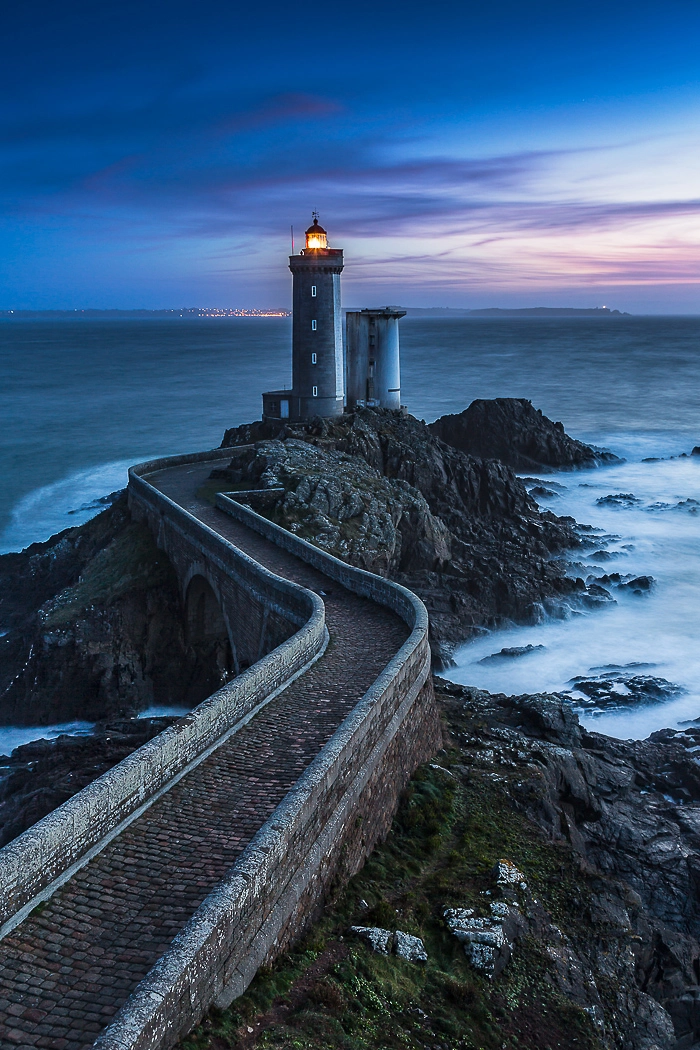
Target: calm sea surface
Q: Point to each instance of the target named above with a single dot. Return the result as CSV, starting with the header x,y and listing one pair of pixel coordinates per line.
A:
x,y
81,400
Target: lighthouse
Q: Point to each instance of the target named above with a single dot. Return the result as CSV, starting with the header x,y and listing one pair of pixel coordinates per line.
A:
x,y
317,334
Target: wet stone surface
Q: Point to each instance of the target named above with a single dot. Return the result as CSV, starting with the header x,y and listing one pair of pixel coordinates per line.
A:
x,y
615,686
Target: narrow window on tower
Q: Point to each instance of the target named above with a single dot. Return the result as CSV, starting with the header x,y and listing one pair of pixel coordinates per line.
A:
x,y
313,326
313,359
314,391
313,290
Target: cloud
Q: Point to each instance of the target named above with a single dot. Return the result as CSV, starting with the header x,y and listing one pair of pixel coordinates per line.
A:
x,y
226,188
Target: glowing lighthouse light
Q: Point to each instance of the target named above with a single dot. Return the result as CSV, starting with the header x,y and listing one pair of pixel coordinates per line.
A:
x,y
316,236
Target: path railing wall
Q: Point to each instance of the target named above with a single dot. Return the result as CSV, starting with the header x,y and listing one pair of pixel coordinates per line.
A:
x,y
48,851
326,826
323,829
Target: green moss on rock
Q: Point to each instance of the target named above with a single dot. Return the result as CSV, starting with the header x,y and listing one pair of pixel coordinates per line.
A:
x,y
452,827
130,562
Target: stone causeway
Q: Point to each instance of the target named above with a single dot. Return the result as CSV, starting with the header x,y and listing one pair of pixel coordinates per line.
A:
x,y
159,890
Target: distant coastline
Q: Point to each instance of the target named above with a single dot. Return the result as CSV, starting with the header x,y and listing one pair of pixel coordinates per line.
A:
x,y
194,312
551,311
533,311
117,315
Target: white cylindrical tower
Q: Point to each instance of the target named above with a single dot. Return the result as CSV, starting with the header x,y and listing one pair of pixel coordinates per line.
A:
x,y
372,358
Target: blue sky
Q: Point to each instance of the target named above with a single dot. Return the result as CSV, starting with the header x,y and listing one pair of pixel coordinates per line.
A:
x,y
155,155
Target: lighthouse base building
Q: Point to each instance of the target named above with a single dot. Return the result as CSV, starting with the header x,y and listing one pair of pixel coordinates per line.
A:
x,y
372,350
318,370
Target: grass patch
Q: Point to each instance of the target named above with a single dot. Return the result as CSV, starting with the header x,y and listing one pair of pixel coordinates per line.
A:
x,y
210,489
131,562
333,992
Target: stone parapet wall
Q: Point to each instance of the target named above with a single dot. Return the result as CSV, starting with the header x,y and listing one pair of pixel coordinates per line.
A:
x,y
261,609
322,831
49,850
395,597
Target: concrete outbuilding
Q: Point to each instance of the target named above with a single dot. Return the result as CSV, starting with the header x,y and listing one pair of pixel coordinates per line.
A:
x,y
372,352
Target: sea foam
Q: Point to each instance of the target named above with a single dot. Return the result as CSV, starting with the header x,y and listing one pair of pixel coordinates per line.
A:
x,y
657,536
71,501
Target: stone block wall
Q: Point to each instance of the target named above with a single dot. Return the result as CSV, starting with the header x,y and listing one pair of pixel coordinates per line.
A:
x,y
322,831
44,855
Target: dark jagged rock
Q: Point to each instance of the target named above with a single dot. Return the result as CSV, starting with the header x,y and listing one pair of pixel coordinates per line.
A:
x,y
638,584
382,491
618,499
44,774
511,430
623,687
94,627
344,505
512,652
628,583
630,810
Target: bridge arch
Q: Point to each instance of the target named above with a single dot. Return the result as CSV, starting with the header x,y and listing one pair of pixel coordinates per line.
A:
x,y
208,638
204,616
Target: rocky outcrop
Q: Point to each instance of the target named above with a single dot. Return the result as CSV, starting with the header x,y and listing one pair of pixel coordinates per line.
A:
x,y
94,627
630,811
343,505
552,875
378,488
511,430
44,774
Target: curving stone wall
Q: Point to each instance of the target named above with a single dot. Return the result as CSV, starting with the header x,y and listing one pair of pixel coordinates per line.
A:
x,y
322,831
44,856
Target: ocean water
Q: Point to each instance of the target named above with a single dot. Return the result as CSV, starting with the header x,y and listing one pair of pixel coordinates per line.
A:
x,y
14,736
80,400
652,634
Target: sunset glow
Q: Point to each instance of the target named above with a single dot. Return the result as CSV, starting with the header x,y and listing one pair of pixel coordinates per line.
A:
x,y
566,171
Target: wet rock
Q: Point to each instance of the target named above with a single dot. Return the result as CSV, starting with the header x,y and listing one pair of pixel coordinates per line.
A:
x,y
620,687
638,584
531,483
512,652
594,590
513,431
618,499
690,506
540,492
625,583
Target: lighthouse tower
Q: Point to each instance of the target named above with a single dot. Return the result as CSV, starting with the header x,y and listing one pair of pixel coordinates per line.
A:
x,y
317,334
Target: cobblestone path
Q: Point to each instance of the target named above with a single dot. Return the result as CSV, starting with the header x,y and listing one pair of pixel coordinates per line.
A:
x,y
66,970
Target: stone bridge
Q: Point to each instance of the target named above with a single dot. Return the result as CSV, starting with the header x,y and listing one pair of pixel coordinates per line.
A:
x,y
160,889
